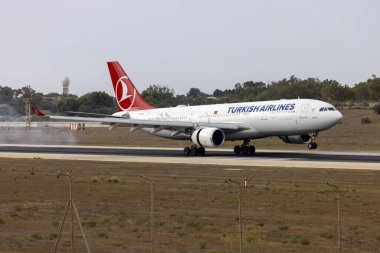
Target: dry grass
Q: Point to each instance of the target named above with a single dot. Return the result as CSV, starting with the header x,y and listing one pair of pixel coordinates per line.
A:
x,y
284,209
350,135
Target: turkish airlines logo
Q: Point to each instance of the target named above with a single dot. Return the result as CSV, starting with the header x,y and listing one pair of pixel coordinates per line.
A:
x,y
125,98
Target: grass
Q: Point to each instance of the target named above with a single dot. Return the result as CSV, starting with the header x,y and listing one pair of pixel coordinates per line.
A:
x,y
283,227
182,219
54,223
34,237
89,223
301,239
327,234
101,234
201,245
15,215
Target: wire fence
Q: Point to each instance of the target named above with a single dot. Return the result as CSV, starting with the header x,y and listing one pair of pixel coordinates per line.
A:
x,y
130,213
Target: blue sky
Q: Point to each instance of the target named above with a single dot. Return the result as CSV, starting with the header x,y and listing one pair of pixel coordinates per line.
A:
x,y
184,44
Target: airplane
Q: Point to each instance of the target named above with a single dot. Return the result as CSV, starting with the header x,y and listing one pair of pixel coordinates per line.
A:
x,y
295,121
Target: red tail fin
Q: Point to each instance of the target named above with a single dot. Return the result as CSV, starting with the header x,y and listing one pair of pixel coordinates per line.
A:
x,y
37,112
127,96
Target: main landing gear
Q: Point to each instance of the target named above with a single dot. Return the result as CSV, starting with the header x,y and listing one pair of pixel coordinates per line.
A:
x,y
245,148
312,144
193,151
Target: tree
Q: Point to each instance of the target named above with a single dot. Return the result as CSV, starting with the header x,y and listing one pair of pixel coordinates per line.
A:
x,y
194,93
335,92
96,99
67,104
159,96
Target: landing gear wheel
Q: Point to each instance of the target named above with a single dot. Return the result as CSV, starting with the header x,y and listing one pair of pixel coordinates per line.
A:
x,y
237,149
315,145
193,151
201,151
244,150
312,145
186,151
251,150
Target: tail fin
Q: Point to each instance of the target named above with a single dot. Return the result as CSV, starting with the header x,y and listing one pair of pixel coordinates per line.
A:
x,y
127,96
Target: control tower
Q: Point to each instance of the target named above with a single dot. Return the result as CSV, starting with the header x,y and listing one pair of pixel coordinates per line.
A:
x,y
65,84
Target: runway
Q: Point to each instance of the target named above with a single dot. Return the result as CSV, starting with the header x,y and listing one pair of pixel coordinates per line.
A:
x,y
277,158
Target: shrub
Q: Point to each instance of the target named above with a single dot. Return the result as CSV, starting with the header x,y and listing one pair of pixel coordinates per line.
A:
x,y
300,239
251,238
15,215
141,220
376,108
201,245
283,227
34,237
90,224
365,120
102,235
54,223
2,221
114,180
94,179
327,235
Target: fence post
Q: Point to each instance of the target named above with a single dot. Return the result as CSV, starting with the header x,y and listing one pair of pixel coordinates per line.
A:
x,y
150,180
336,187
240,217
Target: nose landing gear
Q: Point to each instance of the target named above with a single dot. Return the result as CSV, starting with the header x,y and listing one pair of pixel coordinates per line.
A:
x,y
245,148
312,144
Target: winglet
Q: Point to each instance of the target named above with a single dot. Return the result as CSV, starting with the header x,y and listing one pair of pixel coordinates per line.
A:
x,y
38,112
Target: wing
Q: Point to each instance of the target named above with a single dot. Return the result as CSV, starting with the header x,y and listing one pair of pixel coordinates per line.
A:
x,y
164,124
157,124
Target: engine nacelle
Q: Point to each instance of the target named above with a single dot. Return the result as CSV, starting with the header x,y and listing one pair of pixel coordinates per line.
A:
x,y
208,137
296,139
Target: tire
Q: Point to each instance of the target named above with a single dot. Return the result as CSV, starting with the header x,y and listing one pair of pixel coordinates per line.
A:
x,y
201,151
244,150
186,151
193,151
251,150
310,145
315,145
237,149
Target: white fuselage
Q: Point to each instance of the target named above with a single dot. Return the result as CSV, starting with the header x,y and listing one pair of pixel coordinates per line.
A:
x,y
263,119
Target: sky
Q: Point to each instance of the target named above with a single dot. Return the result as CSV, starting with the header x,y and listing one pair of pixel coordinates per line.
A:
x,y
208,44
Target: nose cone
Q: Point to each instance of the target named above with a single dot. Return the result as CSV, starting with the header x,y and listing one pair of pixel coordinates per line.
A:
x,y
339,116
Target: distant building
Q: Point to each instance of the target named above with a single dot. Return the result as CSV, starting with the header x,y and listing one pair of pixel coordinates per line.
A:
x,y
65,84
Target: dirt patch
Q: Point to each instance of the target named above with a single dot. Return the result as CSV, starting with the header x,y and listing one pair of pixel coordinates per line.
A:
x,y
195,208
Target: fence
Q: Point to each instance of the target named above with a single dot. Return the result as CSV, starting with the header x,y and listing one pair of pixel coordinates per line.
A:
x,y
155,213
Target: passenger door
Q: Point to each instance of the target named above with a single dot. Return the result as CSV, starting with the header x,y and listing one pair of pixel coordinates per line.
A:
x,y
303,113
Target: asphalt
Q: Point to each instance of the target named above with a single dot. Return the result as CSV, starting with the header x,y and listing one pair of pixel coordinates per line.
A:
x,y
176,153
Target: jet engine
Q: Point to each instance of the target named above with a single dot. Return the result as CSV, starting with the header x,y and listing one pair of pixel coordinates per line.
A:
x,y
296,139
208,137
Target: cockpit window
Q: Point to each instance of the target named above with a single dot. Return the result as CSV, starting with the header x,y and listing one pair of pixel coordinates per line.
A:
x,y
323,109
